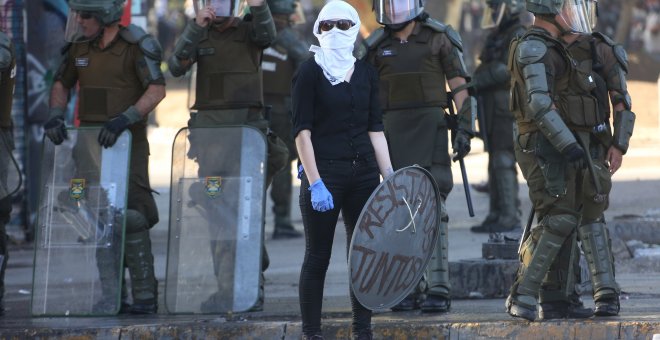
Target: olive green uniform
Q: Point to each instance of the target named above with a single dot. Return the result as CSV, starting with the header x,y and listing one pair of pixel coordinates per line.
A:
x,y
229,92
112,79
280,61
608,63
552,103
492,83
413,77
7,79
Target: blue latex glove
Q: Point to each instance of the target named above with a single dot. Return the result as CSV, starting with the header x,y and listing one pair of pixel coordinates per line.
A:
x,y
300,171
321,197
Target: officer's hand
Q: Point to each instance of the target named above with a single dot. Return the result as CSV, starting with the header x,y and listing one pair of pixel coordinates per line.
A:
x,y
112,129
205,16
55,130
461,145
321,197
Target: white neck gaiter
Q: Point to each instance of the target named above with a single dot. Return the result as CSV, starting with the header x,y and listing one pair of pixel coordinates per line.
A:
x,y
335,55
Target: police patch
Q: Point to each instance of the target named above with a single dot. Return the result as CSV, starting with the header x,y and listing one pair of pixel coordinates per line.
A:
x,y
77,188
82,62
213,184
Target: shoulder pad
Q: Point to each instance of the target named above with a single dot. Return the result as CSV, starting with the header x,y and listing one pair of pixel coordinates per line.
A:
x,y
435,25
151,47
621,56
132,33
604,38
375,38
530,51
454,37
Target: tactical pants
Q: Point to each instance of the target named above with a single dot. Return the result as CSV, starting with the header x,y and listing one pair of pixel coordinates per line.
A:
x,y
502,174
420,137
351,184
280,192
555,189
593,236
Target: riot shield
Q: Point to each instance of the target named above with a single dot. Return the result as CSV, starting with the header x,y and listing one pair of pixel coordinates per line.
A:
x,y
394,238
216,220
79,245
10,173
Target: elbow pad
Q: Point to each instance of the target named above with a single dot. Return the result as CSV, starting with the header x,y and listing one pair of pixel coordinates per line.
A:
x,y
264,26
187,44
555,130
624,122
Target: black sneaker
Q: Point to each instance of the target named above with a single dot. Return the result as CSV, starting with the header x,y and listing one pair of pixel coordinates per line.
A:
x,y
435,304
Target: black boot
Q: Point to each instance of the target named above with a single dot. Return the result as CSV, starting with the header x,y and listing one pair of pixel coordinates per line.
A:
x,y
140,263
521,306
408,303
285,231
435,304
607,306
564,310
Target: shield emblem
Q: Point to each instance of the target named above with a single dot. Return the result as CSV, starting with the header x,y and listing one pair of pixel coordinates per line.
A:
x,y
77,188
394,238
212,185
78,258
214,252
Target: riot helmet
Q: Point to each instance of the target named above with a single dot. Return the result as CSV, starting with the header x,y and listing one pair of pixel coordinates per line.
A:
x,y
498,11
222,8
282,6
570,16
394,12
88,17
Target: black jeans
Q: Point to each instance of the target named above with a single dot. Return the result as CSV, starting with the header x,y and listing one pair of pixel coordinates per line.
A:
x,y
350,183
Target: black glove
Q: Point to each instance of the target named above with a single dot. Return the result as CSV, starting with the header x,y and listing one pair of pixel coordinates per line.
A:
x,y
574,153
115,126
55,130
461,145
112,129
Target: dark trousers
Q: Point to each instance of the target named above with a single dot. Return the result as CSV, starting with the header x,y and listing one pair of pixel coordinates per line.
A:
x,y
350,183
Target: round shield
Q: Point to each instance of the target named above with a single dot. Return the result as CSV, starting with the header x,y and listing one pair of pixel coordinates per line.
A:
x,y
394,238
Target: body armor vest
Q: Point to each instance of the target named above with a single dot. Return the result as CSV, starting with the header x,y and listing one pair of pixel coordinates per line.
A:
x,y
497,46
583,50
108,79
411,76
278,71
228,69
571,92
7,79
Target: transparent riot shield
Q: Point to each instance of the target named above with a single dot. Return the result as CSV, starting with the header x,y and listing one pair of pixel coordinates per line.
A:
x,y
10,175
78,262
216,220
394,238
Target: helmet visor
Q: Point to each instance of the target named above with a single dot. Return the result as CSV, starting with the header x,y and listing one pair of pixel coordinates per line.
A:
x,y
221,8
592,10
397,11
81,26
493,14
576,16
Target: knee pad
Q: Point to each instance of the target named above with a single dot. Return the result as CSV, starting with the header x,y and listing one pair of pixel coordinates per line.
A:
x,y
135,222
561,225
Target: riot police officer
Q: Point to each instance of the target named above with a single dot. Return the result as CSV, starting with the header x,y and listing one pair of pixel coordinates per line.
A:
x,y
554,111
280,60
118,72
228,51
415,57
491,81
608,64
7,79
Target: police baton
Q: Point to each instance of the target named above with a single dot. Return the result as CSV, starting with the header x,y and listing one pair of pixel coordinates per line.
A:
x,y
528,228
452,124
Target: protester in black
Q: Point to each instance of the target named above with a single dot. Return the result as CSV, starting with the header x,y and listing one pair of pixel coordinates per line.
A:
x,y
338,129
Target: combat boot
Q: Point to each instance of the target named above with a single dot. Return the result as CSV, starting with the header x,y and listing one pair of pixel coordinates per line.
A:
x,y
408,303
140,263
435,304
609,306
285,231
563,310
521,306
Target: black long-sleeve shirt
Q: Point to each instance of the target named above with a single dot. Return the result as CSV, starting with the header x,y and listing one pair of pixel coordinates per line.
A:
x,y
339,117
